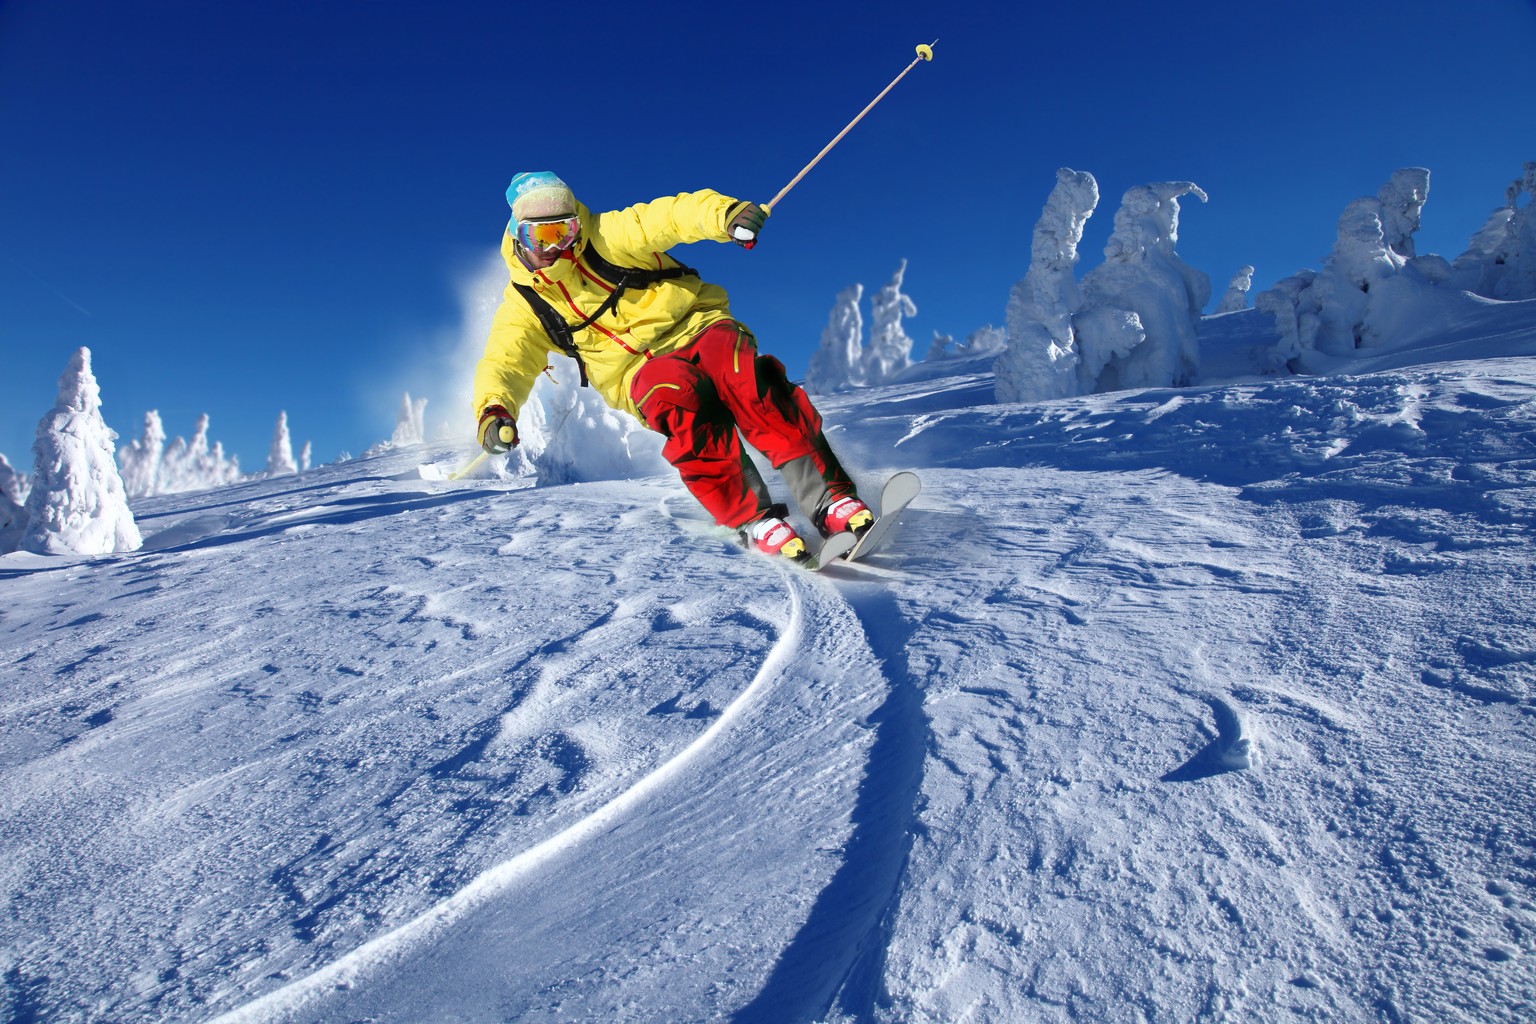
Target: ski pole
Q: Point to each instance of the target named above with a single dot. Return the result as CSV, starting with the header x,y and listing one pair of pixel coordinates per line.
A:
x,y
507,434
924,52
460,474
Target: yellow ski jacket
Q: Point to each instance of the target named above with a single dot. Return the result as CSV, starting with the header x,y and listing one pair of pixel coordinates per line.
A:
x,y
646,322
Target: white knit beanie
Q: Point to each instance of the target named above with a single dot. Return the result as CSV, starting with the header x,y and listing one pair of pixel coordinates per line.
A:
x,y
540,195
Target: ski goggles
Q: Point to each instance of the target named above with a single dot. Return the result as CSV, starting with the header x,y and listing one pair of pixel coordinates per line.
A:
x,y
549,235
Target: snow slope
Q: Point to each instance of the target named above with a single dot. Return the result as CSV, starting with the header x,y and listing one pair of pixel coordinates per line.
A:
x,y
362,746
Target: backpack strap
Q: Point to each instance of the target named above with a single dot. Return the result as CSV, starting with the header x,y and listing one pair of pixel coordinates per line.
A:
x,y
554,325
563,334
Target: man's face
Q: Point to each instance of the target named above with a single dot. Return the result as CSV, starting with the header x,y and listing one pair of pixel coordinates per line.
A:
x,y
538,260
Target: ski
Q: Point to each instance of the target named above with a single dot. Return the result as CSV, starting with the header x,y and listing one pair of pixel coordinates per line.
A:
x,y
835,547
898,493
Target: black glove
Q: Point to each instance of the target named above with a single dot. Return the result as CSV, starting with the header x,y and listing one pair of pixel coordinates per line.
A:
x,y
498,430
744,221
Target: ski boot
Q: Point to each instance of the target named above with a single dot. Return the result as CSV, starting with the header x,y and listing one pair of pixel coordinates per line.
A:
x,y
773,536
847,514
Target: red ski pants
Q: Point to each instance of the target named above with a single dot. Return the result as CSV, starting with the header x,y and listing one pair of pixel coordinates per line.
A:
x,y
705,397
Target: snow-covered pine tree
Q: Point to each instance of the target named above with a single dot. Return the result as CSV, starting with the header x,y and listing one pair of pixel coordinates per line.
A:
x,y
1138,325
141,459
13,498
280,455
78,504
1041,359
890,349
410,422
1236,296
838,362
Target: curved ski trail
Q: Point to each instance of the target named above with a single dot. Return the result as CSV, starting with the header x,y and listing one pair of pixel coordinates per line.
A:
x,y
697,841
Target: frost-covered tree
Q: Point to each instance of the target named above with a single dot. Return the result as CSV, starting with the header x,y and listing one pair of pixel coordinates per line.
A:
x,y
1293,305
14,485
1370,291
1402,200
78,504
13,498
1041,359
985,341
941,347
1325,312
410,422
306,453
839,361
1500,261
1236,297
1139,322
141,459
190,465
280,454
890,349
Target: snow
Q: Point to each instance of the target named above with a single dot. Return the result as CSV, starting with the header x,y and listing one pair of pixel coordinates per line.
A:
x,y
1196,704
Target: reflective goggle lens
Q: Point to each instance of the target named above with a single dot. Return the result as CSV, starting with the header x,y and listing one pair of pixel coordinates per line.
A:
x,y
549,234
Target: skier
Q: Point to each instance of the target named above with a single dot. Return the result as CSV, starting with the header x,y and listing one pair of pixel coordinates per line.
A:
x,y
657,341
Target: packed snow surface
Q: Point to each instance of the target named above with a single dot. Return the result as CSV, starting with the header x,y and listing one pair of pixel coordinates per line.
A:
x,y
1205,704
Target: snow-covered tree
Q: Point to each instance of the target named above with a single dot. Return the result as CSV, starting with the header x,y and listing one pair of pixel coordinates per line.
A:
x,y
78,504
13,498
1139,322
141,459
14,485
1236,297
305,454
1294,307
941,347
1500,261
839,362
890,349
280,454
1402,200
1041,359
185,465
410,422
1371,291
984,341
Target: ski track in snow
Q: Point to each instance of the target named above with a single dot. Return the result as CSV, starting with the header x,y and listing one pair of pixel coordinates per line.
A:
x,y
366,747
516,877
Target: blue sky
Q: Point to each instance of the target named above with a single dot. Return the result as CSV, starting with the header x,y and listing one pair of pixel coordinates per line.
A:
x,y
248,208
